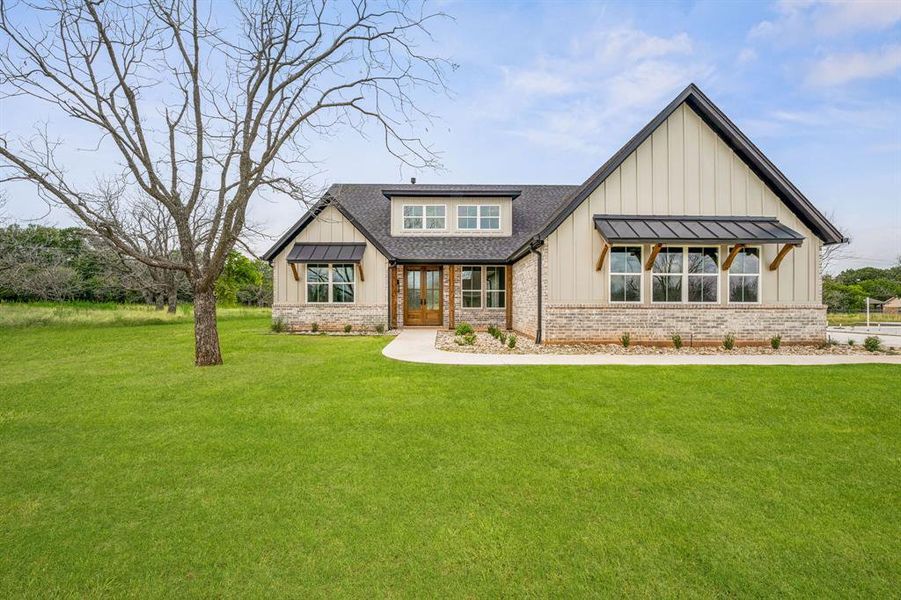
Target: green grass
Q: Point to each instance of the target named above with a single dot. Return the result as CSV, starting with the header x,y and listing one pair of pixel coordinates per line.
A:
x,y
860,318
312,466
38,314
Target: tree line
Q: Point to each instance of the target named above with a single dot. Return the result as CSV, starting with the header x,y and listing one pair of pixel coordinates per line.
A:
x,y
848,291
59,264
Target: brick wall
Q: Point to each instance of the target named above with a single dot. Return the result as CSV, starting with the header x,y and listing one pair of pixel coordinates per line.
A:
x,y
525,295
695,323
331,317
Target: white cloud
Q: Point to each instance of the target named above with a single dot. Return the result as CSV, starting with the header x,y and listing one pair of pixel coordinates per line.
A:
x,y
747,55
799,19
837,69
593,90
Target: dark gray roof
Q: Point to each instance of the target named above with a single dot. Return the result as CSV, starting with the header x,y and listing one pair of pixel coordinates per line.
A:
x,y
693,229
367,207
306,253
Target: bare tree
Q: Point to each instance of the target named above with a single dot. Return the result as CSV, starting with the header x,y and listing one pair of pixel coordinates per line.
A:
x,y
206,109
834,253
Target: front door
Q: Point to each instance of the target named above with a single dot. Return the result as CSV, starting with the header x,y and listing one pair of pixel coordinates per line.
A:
x,y
422,296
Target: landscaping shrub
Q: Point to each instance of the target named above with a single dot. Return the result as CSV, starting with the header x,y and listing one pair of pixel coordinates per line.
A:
x,y
347,328
494,331
775,342
729,341
625,339
851,342
463,329
872,343
469,339
380,329
502,337
511,341
314,327
677,341
278,326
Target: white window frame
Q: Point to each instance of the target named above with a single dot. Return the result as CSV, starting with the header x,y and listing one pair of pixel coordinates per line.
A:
x,y
425,218
479,208
610,275
483,287
686,276
330,297
759,276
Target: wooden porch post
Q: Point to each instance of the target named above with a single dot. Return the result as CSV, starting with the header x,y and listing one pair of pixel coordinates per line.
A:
x,y
508,279
392,297
451,293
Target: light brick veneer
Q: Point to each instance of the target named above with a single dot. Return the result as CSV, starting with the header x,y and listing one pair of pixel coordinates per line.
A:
x,y
704,324
331,317
525,294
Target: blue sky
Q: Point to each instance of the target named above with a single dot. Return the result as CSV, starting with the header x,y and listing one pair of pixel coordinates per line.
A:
x,y
546,92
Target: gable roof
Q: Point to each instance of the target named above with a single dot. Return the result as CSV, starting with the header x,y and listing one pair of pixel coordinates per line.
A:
x,y
366,206
736,140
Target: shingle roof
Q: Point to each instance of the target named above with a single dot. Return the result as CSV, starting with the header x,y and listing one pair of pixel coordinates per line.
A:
x,y
367,207
693,229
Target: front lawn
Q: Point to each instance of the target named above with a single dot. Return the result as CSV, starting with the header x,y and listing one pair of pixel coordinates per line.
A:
x,y
313,466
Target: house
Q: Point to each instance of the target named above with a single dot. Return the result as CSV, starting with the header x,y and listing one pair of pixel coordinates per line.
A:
x,y
892,306
687,229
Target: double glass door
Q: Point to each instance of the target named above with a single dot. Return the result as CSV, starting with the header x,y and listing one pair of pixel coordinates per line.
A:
x,y
422,296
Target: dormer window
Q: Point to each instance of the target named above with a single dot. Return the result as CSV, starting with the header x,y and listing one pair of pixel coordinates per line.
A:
x,y
481,217
420,217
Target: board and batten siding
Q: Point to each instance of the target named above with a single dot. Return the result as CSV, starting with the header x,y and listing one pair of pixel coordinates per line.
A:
x,y
331,226
683,168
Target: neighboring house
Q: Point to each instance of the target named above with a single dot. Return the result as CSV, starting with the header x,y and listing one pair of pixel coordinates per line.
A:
x,y
875,305
892,306
688,229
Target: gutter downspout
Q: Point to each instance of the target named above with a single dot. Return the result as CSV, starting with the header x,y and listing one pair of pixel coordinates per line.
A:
x,y
534,249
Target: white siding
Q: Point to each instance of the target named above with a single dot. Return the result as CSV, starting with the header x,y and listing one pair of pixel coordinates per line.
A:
x,y
682,168
331,226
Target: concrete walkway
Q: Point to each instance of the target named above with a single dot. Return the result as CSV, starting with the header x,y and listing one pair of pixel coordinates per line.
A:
x,y
418,345
888,334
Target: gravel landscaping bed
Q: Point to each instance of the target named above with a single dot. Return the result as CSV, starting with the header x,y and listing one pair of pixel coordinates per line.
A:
x,y
486,344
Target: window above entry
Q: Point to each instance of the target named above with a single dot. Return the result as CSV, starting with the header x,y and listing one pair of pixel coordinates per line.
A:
x,y
430,217
482,217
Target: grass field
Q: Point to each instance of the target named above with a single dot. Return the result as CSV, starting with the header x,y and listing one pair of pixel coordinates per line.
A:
x,y
312,466
860,318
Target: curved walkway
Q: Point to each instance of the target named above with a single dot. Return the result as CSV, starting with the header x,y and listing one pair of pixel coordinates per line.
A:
x,y
418,345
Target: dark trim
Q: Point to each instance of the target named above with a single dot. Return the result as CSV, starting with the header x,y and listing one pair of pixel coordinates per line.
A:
x,y
452,261
757,230
538,331
326,200
426,193
740,144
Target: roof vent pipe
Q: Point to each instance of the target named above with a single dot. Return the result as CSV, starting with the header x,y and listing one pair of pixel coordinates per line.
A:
x,y
412,180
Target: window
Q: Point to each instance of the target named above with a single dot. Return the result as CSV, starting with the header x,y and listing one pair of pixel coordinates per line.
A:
x,y
703,274
472,287
330,283
495,278
744,276
485,217
667,275
625,274
428,216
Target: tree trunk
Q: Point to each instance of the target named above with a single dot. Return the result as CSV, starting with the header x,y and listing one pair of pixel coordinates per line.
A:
x,y
173,301
206,335
160,302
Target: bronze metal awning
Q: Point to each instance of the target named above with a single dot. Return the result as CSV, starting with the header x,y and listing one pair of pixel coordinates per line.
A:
x,y
312,253
625,229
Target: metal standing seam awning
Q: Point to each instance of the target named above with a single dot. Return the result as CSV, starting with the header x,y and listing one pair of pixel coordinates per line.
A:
x,y
622,229
327,253
662,230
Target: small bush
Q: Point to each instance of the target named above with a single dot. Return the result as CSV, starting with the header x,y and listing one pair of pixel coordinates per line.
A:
x,y
872,343
380,329
502,337
494,331
278,326
729,341
347,328
463,329
775,342
314,327
469,339
625,339
851,342
511,341
677,341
